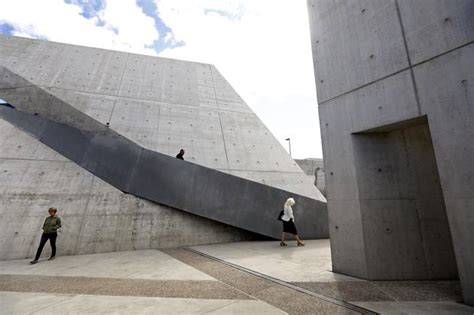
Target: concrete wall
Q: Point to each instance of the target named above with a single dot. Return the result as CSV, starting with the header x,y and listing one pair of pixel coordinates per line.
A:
x,y
161,104
314,169
395,83
96,216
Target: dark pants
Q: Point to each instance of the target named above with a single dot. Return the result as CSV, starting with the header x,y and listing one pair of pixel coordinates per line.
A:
x,y
52,240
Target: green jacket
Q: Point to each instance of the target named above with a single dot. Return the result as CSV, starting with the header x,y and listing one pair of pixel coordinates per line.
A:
x,y
51,225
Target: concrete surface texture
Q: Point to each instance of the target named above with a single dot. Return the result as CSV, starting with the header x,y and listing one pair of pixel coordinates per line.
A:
x,y
309,268
96,216
150,282
314,169
169,181
257,277
395,82
161,104
86,94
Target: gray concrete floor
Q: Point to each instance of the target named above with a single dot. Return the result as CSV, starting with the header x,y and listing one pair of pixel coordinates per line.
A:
x,y
309,267
233,278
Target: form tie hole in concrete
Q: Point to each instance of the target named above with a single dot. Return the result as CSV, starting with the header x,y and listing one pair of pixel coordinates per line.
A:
x,y
336,227
331,173
379,170
447,19
322,81
380,107
372,56
388,230
19,147
363,10
107,124
317,42
463,82
36,114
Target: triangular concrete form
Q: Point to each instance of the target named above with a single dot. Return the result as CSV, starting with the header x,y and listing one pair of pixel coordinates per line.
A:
x,y
87,117
161,104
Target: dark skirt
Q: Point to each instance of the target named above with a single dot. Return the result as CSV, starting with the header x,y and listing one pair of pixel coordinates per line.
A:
x,y
289,227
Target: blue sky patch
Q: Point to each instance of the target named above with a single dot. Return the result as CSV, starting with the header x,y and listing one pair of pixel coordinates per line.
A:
x,y
166,39
6,29
89,7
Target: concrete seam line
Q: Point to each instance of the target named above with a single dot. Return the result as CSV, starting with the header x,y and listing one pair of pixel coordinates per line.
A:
x,y
27,159
395,73
407,51
17,87
121,97
218,280
345,304
219,118
70,297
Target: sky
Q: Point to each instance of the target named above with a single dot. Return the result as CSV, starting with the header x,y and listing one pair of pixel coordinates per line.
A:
x,y
262,47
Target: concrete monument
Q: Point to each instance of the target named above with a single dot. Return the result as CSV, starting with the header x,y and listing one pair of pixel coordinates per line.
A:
x,y
395,83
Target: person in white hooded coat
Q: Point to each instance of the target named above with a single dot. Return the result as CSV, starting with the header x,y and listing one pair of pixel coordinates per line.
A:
x,y
288,220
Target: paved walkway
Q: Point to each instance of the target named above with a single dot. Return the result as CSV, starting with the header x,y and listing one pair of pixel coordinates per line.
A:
x,y
235,278
309,268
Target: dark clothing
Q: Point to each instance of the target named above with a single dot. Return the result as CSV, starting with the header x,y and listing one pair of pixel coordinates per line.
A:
x,y
52,240
180,156
51,225
289,227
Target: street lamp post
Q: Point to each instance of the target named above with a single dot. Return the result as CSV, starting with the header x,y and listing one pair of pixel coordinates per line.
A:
x,y
289,144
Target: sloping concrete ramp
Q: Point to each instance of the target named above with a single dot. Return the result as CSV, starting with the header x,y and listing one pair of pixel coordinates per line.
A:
x,y
148,174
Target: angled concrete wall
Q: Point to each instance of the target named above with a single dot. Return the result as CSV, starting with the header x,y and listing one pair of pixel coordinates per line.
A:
x,y
89,118
161,104
314,169
96,216
395,83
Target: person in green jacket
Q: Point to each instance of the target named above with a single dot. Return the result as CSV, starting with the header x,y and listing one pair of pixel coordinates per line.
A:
x,y
50,232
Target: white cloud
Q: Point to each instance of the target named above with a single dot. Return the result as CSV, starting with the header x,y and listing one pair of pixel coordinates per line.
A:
x,y
263,49
125,27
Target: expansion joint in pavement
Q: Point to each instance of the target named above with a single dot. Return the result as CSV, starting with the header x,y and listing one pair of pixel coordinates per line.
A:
x,y
283,295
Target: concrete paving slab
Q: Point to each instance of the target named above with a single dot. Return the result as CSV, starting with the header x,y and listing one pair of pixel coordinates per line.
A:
x,y
418,308
284,297
21,303
311,263
144,264
247,307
